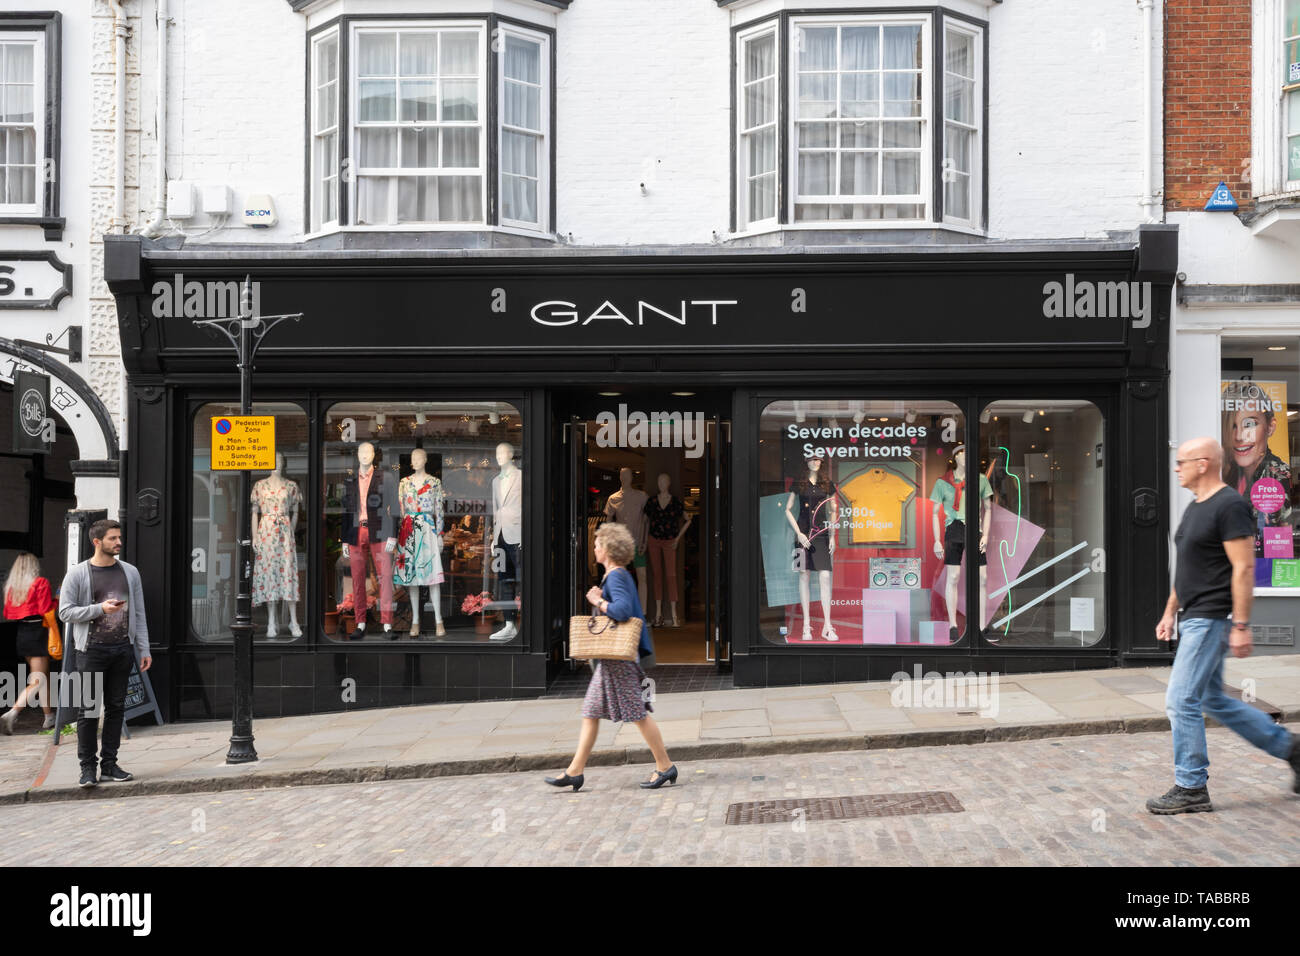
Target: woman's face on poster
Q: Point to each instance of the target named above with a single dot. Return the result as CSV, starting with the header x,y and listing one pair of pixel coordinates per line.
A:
x,y
1248,442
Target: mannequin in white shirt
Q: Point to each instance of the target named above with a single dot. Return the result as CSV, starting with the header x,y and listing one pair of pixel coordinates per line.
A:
x,y
627,507
506,532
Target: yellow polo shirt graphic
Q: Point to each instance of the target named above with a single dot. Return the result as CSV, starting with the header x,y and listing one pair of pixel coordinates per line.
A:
x,y
875,512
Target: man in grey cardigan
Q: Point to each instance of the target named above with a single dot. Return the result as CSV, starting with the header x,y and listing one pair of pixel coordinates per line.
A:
x,y
104,602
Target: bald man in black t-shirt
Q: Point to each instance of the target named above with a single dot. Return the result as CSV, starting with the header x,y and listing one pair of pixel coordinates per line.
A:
x,y
1215,577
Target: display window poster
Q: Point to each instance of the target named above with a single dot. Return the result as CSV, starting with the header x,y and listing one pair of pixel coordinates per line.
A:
x,y
1256,462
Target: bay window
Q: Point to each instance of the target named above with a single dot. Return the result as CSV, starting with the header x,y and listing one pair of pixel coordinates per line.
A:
x,y
857,123
401,117
29,120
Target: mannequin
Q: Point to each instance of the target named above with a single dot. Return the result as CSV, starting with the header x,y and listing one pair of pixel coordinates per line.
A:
x,y
370,532
275,503
951,544
818,518
627,507
506,531
665,512
418,559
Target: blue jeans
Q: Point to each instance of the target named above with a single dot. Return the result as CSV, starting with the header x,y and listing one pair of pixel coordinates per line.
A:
x,y
1196,687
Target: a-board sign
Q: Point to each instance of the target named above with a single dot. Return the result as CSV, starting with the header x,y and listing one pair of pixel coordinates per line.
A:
x,y
243,443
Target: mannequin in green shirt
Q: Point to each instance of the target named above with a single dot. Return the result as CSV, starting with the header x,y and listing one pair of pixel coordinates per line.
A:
x,y
950,543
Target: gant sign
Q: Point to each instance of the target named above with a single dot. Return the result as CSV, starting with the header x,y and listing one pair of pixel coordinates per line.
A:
x,y
559,312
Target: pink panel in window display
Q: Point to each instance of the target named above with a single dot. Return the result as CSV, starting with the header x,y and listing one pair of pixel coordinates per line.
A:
x,y
1017,537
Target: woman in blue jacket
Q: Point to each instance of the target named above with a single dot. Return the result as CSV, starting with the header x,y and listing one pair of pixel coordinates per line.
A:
x,y
615,689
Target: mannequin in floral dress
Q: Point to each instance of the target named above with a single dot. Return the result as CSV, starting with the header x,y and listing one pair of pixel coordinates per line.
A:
x,y
417,561
275,504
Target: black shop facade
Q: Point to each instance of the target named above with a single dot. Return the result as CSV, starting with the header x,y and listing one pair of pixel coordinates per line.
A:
x,y
835,465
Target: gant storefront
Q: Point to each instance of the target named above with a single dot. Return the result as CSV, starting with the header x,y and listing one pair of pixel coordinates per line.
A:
x,y
837,465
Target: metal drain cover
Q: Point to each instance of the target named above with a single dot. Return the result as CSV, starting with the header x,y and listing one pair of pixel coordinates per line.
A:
x,y
844,808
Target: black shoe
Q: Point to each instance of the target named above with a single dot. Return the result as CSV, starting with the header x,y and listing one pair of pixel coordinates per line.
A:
x,y
953,635
1181,800
566,781
1294,760
115,773
991,635
88,778
661,777
358,635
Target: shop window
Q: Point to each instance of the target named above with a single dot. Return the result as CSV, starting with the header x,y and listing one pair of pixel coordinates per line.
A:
x,y
1260,404
864,95
278,524
412,102
1045,462
862,507
423,515
30,120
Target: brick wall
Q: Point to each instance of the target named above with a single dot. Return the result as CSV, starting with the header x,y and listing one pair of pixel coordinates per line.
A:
x,y
1207,100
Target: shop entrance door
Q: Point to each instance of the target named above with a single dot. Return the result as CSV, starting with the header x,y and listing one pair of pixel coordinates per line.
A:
x,y
668,493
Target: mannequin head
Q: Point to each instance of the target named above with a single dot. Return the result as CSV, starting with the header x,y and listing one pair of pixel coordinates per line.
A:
x,y
505,454
959,458
366,454
664,482
419,458
625,477
279,464
814,467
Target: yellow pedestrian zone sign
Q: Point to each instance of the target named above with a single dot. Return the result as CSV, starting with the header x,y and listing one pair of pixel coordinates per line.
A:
x,y
243,443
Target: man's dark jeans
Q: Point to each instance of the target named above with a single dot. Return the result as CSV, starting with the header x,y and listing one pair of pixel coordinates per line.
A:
x,y
114,662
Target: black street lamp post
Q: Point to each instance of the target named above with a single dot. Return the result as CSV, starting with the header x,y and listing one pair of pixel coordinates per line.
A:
x,y
245,333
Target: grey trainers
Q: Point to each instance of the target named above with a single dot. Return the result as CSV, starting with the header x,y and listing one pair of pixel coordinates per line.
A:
x,y
49,722
1294,760
1181,800
7,722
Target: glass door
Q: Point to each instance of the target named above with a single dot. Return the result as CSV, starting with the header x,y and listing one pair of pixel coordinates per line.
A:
x,y
717,641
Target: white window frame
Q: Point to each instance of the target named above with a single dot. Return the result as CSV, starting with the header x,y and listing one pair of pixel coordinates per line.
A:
x,y
319,177
39,119
925,198
976,174
1288,90
742,173
355,125
543,140
1268,167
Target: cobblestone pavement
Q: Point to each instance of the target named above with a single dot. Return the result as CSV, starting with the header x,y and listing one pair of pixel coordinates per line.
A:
x,y
1072,801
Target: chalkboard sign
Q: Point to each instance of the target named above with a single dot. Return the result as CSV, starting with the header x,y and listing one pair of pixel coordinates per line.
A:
x,y
139,695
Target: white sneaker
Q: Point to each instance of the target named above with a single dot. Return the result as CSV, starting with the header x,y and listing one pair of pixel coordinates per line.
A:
x,y
7,722
295,630
49,722
506,633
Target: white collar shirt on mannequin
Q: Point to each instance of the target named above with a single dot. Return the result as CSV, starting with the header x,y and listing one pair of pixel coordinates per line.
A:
x,y
627,507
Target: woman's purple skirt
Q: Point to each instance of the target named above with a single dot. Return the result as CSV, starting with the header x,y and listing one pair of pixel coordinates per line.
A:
x,y
615,692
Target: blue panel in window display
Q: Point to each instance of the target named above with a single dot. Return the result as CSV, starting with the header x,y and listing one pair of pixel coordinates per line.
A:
x,y
778,547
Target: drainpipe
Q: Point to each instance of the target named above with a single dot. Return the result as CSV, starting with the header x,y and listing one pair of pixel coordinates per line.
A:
x,y
154,227
120,33
1150,201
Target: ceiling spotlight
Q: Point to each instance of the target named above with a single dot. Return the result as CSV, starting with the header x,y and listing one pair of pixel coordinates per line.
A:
x,y
473,426
1028,417
684,394
420,418
380,419
494,418
985,416
834,423
858,416
1277,348
610,394
910,415
799,415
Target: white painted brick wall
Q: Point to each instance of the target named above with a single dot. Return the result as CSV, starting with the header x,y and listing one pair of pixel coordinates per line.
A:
x,y
647,99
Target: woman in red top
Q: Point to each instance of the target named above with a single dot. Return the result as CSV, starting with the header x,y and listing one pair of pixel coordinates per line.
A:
x,y
27,598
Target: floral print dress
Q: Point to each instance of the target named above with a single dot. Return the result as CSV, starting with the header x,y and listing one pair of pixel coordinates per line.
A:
x,y
275,556
417,561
